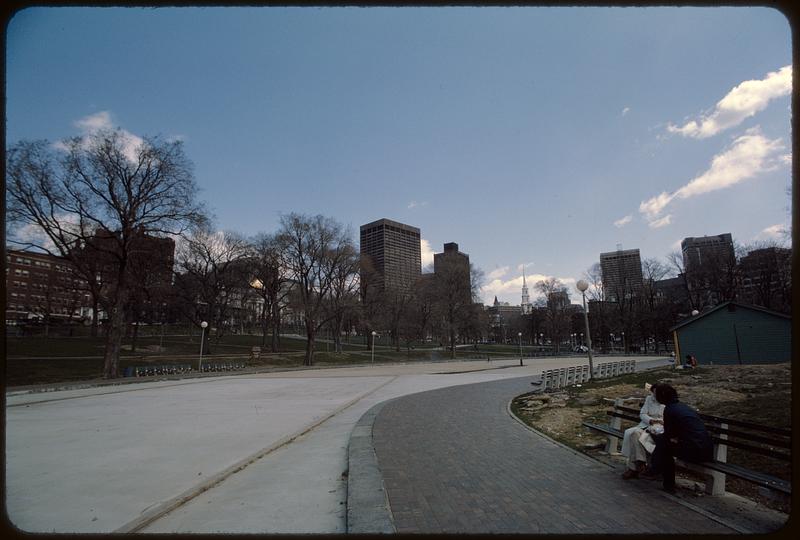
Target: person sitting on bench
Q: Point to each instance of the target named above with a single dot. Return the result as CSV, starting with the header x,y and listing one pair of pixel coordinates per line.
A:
x,y
685,437
637,442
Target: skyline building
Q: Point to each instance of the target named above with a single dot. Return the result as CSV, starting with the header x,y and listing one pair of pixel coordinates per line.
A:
x,y
621,273
393,248
703,250
456,265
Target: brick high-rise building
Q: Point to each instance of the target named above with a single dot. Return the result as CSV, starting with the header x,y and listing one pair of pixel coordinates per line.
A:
x,y
703,250
622,274
393,249
40,286
766,276
456,265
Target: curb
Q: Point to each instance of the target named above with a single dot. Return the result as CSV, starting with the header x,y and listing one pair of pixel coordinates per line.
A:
x,y
368,508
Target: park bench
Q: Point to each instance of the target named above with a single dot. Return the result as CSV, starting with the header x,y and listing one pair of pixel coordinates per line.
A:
x,y
725,432
227,366
149,371
566,376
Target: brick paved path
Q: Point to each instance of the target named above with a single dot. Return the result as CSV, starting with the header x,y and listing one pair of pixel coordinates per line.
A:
x,y
453,460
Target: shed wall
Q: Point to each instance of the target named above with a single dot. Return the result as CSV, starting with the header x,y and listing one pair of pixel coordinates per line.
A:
x,y
762,338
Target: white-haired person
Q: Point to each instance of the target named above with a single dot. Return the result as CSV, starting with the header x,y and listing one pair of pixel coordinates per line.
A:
x,y
637,442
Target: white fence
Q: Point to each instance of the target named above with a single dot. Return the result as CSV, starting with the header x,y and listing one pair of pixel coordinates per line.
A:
x,y
567,376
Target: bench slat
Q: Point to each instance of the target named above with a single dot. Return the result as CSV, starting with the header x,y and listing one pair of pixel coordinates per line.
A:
x,y
748,436
749,425
762,479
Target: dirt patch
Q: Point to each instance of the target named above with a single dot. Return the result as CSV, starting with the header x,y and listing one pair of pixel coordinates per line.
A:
x,y
759,394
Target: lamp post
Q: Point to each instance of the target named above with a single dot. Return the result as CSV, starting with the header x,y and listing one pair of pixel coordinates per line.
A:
x,y
581,338
203,326
374,333
519,335
624,348
582,286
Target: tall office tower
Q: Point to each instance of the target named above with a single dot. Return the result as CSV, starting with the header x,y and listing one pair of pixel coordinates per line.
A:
x,y
706,250
525,305
456,265
622,274
766,278
393,249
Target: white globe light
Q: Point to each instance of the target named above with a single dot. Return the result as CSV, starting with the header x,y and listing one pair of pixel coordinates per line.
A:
x,y
374,333
582,285
695,312
203,324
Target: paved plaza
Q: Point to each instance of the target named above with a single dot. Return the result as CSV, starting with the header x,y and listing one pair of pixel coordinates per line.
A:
x,y
268,453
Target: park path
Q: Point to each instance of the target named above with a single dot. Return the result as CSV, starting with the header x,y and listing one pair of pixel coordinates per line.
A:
x,y
453,460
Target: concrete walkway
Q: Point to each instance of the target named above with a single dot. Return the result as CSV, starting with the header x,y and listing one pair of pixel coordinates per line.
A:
x,y
455,461
256,453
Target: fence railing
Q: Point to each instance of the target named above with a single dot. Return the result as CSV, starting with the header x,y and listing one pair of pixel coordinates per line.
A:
x,y
567,376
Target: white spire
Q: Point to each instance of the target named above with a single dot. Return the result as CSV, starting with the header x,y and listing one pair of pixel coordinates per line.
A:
x,y
525,304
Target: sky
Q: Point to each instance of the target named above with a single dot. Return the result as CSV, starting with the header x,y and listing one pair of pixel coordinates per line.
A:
x,y
533,137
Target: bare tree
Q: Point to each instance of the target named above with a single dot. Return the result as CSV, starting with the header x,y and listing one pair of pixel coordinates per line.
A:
x,y
106,182
271,282
558,318
343,298
455,287
314,248
210,276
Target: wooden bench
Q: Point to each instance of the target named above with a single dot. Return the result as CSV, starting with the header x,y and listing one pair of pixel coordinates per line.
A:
x,y
770,439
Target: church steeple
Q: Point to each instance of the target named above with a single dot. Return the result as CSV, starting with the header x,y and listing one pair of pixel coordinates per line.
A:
x,y
525,306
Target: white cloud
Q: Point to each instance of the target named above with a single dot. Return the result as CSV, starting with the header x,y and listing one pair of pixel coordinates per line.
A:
x,y
426,252
510,290
497,273
623,221
786,159
748,156
101,121
774,231
663,222
524,265
414,204
742,102
32,234
655,205
625,111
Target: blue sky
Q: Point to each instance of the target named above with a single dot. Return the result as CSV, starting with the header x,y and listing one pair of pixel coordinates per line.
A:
x,y
522,134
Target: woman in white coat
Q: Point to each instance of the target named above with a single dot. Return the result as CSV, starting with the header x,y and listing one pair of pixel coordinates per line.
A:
x,y
637,443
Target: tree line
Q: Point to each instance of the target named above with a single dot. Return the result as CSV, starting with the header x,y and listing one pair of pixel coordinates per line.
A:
x,y
107,206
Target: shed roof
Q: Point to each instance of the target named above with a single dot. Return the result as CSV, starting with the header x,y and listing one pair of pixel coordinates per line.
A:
x,y
690,320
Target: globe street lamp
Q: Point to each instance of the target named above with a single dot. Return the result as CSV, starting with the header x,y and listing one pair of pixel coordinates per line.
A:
x,y
203,326
374,333
624,348
582,286
519,335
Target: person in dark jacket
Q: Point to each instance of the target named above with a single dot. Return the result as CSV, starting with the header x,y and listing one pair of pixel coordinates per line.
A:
x,y
685,436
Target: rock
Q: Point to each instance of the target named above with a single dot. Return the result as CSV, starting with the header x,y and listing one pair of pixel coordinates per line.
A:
x,y
588,401
593,445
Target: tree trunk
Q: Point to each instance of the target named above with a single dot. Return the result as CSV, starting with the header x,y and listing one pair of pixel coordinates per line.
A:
x,y
95,316
116,330
135,335
309,359
337,337
265,320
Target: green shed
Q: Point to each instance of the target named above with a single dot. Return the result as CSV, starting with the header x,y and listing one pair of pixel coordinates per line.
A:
x,y
734,333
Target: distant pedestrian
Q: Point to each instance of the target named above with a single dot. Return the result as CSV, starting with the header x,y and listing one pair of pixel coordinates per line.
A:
x,y
692,361
685,437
